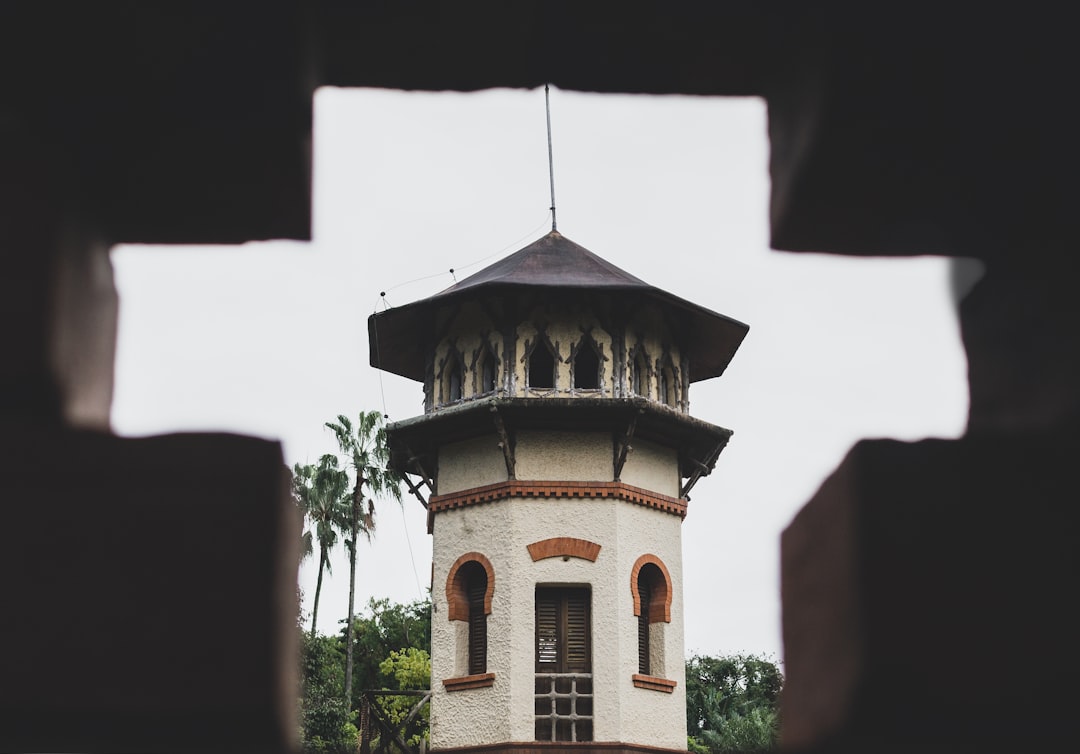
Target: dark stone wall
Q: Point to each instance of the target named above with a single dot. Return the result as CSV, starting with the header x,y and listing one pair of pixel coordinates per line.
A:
x,y
895,129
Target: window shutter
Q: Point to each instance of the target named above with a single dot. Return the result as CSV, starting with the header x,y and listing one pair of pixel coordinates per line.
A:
x,y
577,631
477,627
547,631
645,595
562,631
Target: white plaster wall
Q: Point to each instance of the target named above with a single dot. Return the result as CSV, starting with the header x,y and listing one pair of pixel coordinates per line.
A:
x,y
652,717
473,716
652,467
470,463
501,531
563,456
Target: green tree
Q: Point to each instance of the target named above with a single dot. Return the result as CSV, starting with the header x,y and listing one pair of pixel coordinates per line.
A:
x,y
385,627
365,446
732,704
322,492
407,669
325,724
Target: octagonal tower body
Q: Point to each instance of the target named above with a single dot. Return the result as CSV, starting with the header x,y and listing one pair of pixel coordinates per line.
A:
x,y
556,453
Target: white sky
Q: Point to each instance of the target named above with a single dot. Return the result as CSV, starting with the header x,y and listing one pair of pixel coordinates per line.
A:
x,y
270,339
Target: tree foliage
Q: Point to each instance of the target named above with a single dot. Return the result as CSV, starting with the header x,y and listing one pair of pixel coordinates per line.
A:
x,y
383,628
369,456
408,669
325,723
321,491
392,644
732,704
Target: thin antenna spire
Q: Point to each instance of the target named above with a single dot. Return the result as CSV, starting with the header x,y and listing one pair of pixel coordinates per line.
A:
x,y
551,162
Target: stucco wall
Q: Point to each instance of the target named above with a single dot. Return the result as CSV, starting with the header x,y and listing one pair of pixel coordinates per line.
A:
x,y
564,456
501,531
471,463
652,467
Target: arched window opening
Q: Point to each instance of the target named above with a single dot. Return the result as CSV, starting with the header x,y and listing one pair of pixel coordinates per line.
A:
x,y
541,367
668,392
487,370
586,366
639,374
650,586
470,585
452,378
650,583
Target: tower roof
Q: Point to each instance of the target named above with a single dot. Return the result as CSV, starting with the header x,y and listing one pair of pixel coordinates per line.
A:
x,y
397,337
555,261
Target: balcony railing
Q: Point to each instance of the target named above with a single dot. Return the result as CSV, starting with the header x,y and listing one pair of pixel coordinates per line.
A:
x,y
564,707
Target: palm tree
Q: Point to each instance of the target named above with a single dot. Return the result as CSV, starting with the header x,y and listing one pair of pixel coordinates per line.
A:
x,y
322,492
369,455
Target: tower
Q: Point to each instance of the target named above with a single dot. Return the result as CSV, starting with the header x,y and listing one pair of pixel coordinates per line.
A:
x,y
556,451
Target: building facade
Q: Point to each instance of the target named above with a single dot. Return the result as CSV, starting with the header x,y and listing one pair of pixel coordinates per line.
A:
x,y
555,456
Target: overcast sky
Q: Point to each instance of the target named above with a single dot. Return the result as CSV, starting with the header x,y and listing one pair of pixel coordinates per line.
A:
x,y
270,339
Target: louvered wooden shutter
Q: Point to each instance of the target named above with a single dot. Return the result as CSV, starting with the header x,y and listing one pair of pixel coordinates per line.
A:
x,y
645,594
477,626
547,631
577,631
562,631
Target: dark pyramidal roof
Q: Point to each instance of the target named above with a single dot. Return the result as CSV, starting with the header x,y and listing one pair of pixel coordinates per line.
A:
x,y
555,261
398,336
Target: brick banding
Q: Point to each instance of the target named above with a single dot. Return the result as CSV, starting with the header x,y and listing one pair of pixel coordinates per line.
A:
x,y
557,547
517,488
653,683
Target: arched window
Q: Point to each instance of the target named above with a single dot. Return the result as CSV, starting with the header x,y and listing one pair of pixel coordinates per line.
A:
x,y
668,391
639,374
647,586
650,585
541,367
487,370
469,588
586,365
452,378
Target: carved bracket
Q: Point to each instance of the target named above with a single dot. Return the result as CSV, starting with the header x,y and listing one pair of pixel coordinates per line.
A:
x,y
622,446
506,442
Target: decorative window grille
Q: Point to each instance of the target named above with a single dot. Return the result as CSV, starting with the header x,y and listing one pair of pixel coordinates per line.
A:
x,y
562,701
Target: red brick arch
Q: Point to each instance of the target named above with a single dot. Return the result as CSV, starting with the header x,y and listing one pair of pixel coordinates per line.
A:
x,y
660,607
557,547
457,600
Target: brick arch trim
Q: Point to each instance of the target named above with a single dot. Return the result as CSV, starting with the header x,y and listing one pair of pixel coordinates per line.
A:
x,y
457,600
557,547
660,606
